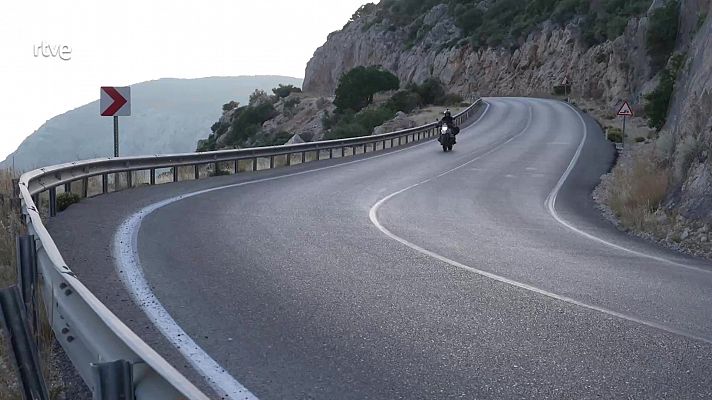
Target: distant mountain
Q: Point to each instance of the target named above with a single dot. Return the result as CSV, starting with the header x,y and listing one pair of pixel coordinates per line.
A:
x,y
167,116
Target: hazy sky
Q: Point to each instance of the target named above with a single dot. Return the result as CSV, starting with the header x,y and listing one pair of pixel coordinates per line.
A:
x,y
124,42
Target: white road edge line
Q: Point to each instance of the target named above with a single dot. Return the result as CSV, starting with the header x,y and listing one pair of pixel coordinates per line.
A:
x,y
128,267
550,203
373,215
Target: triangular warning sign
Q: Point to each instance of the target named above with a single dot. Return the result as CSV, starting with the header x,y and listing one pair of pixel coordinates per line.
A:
x,y
625,110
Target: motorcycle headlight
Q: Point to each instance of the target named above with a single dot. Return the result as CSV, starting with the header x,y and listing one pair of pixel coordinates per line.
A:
x,y
443,129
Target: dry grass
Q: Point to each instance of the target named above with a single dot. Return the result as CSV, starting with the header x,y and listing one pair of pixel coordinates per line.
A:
x,y
9,224
9,227
637,190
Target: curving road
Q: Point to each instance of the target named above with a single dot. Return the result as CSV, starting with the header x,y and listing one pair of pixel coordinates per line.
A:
x,y
408,274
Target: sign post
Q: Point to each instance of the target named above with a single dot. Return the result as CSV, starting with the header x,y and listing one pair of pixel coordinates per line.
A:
x,y
115,102
625,111
567,87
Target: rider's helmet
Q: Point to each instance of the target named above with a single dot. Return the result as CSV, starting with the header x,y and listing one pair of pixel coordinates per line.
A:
x,y
447,113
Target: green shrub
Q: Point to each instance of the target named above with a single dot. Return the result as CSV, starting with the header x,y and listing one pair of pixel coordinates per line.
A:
x,y
275,140
357,87
431,91
291,103
615,135
404,100
658,101
662,33
230,106
346,130
66,199
283,91
248,121
359,124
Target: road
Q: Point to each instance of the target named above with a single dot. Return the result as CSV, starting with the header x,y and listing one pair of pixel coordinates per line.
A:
x,y
410,274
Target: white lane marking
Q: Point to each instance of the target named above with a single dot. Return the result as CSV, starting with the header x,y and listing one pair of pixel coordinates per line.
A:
x,y
373,216
128,267
131,274
550,203
509,176
530,169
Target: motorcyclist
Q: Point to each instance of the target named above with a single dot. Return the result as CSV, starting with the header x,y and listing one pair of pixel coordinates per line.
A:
x,y
448,120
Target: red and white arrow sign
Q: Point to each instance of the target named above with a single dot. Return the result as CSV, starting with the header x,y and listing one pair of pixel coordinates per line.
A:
x,y
625,110
115,101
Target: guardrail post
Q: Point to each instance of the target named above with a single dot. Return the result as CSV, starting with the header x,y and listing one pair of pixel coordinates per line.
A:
x,y
53,202
254,164
318,154
129,179
331,154
289,159
85,187
152,177
237,166
19,339
304,157
343,150
374,146
271,162
353,150
15,202
113,381
104,183
68,187
175,174
196,171
27,275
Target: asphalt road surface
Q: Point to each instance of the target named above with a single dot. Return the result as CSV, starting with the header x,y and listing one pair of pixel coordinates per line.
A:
x,y
413,274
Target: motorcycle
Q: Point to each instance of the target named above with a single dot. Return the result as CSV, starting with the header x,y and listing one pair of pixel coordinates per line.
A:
x,y
447,137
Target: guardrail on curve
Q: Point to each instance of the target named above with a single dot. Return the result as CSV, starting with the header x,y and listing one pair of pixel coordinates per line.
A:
x,y
91,335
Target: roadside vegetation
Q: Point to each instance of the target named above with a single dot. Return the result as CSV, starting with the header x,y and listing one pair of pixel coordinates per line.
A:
x,y
9,227
662,33
638,190
9,224
657,102
246,123
357,115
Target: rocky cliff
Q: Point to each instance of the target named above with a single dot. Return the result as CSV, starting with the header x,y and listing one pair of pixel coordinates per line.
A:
x,y
610,71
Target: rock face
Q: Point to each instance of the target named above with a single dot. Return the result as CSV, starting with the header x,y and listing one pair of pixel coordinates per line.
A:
x,y
609,72
302,118
690,121
297,116
400,122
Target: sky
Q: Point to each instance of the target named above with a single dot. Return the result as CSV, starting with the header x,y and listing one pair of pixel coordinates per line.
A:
x,y
125,42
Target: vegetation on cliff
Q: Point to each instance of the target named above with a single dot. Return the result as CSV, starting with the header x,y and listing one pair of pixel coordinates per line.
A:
x,y
356,115
507,22
246,121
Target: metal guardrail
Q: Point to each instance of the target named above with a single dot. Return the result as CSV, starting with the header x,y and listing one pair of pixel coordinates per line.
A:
x,y
91,335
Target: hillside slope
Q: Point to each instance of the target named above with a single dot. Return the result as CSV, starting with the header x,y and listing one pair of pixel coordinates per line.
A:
x,y
168,116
